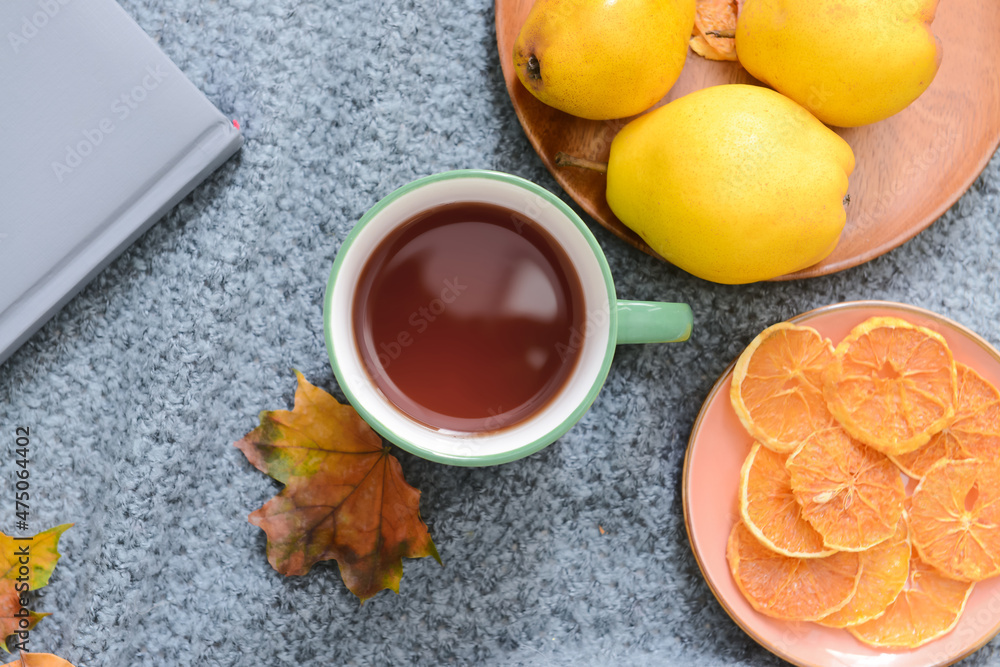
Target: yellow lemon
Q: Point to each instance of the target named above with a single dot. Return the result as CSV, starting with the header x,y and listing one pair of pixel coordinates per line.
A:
x,y
850,62
732,183
602,59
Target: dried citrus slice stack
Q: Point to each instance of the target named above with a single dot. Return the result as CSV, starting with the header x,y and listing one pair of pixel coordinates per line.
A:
x,y
851,494
973,434
770,510
827,532
955,519
892,384
777,389
801,589
884,571
929,607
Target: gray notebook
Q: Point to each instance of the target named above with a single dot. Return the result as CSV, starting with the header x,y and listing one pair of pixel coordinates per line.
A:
x,y
100,135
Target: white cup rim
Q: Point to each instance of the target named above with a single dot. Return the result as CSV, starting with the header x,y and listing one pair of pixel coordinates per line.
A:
x,y
513,442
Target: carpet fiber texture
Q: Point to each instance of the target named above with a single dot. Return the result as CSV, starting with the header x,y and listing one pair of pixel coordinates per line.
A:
x,y
135,391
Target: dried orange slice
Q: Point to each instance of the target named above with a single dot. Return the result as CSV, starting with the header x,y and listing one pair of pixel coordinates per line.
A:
x,y
777,386
928,608
974,433
714,16
892,384
851,494
884,571
803,589
769,508
955,519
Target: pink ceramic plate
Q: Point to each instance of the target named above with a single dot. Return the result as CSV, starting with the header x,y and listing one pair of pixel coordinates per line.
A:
x,y
716,451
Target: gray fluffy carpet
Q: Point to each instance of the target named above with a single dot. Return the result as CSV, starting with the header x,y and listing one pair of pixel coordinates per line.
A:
x,y
136,390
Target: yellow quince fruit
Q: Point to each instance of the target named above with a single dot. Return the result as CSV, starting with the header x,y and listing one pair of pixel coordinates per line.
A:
x,y
732,183
602,59
850,62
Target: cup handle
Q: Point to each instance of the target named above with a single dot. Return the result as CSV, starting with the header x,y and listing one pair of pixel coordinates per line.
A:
x,y
653,322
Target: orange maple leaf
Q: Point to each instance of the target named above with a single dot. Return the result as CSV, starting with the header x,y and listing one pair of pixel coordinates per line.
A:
x,y
344,499
25,565
38,660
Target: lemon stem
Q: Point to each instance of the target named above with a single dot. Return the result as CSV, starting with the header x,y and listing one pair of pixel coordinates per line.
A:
x,y
566,160
727,34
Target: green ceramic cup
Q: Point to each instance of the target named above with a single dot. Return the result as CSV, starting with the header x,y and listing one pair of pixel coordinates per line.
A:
x,y
609,321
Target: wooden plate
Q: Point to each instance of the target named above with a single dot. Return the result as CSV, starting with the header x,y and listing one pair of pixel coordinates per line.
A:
x,y
910,168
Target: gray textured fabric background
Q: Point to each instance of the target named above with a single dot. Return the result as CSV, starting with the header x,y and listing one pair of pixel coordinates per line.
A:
x,y
136,391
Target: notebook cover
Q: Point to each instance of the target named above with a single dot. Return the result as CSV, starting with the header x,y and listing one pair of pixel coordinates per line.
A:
x,y
100,135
